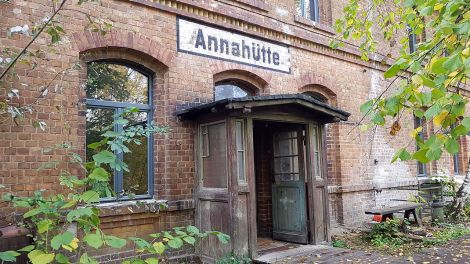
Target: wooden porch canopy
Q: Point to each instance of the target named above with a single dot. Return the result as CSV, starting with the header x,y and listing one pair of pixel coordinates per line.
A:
x,y
308,106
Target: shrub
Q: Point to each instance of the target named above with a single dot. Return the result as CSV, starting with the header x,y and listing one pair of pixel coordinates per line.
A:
x,y
387,234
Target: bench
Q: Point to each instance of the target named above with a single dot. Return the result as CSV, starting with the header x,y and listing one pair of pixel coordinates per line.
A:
x,y
387,212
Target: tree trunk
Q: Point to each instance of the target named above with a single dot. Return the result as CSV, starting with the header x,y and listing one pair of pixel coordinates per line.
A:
x,y
457,209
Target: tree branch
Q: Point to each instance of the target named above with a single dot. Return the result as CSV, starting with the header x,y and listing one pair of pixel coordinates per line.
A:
x,y
32,40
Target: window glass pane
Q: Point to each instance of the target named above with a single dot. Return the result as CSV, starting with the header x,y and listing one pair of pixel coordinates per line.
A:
x,y
223,91
135,181
98,121
307,9
115,82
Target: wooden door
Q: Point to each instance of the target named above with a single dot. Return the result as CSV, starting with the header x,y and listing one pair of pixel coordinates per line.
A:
x,y
288,190
212,192
317,184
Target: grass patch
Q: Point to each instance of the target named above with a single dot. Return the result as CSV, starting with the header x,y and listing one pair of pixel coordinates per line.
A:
x,y
390,238
448,233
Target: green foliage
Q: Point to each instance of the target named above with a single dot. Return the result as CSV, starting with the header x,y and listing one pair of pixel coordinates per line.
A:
x,y
387,234
51,216
340,244
169,240
426,82
233,258
450,232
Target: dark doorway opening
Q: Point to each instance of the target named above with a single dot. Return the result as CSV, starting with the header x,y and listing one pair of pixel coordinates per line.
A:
x,y
280,173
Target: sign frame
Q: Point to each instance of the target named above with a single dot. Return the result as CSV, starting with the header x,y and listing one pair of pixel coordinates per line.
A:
x,y
230,31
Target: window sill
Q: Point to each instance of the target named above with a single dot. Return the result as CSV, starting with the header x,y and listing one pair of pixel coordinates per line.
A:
x,y
143,206
259,4
307,22
131,207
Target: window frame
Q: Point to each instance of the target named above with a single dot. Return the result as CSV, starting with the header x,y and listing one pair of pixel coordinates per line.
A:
x,y
118,108
314,12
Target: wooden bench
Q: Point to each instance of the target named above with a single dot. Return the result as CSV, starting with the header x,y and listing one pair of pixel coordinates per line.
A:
x,y
408,209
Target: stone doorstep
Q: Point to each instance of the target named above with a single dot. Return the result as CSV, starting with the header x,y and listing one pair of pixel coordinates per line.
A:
x,y
302,250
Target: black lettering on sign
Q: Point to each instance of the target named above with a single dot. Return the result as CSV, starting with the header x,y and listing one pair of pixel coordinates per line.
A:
x,y
200,39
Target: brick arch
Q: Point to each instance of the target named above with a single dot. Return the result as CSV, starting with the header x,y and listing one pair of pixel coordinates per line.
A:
x,y
258,77
88,40
318,84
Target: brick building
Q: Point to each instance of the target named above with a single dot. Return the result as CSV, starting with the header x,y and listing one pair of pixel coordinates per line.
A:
x,y
263,115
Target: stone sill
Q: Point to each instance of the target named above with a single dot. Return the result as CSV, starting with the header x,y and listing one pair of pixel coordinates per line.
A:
x,y
259,4
143,206
307,22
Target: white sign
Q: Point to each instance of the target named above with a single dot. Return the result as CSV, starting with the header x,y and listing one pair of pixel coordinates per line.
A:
x,y
221,44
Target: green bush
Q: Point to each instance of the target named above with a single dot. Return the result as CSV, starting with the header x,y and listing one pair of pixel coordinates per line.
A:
x,y
387,234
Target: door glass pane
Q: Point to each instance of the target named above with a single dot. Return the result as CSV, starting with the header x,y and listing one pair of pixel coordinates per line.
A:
x,y
98,121
286,156
115,82
135,181
214,163
240,150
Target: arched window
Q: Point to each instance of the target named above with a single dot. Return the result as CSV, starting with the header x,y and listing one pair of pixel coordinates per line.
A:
x,y
232,89
318,96
113,86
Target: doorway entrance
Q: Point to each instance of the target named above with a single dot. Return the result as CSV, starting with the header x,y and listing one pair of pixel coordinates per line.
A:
x,y
280,173
261,171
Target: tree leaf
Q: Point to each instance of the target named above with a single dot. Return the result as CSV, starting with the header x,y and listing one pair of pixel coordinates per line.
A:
x,y
466,122
99,174
190,240
420,155
43,225
27,248
192,229
452,146
32,212
452,63
432,111
176,243
434,154
42,258
61,239
114,242
93,240
159,247
90,197
437,66
439,119
392,71
104,157
367,106
9,256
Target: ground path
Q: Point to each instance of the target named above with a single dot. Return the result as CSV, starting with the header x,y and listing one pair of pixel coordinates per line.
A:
x,y
457,251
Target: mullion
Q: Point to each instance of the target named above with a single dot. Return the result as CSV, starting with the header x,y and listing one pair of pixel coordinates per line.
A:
x,y
119,175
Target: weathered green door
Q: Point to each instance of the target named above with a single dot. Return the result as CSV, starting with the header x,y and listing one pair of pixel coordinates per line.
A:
x,y
288,190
